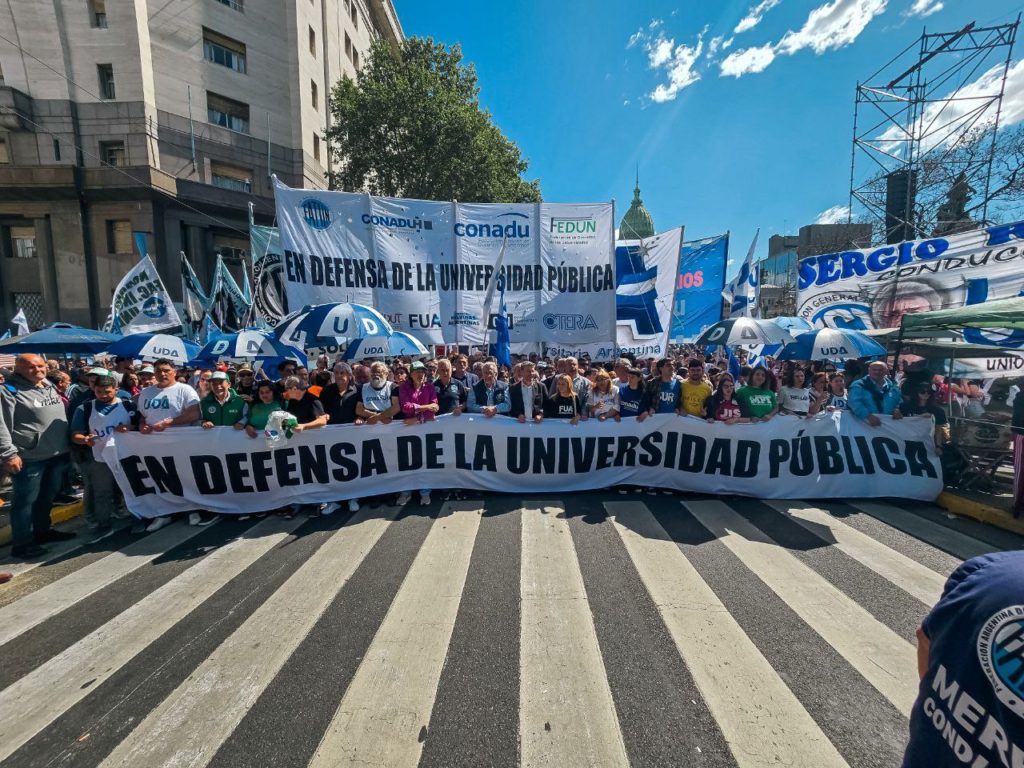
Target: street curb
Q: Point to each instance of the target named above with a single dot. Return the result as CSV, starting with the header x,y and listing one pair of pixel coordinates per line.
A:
x,y
985,513
57,515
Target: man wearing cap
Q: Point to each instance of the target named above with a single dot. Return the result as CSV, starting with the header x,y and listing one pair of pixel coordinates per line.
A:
x,y
33,448
92,423
222,407
147,376
245,383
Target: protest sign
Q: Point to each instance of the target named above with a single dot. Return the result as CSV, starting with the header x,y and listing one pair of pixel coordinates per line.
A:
x,y
141,303
223,470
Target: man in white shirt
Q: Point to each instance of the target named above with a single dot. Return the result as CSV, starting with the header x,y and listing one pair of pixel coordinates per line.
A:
x,y
168,403
528,396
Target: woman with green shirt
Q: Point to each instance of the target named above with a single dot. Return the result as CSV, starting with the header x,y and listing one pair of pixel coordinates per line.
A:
x,y
264,404
758,396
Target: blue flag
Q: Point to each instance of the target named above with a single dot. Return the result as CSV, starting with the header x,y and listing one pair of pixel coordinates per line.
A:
x,y
7,335
502,342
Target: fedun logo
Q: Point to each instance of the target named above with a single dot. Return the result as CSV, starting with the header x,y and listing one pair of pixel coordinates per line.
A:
x,y
574,226
1001,654
315,213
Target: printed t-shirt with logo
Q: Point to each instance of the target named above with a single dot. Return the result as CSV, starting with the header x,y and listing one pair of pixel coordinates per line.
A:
x,y
668,397
970,703
694,396
104,418
723,409
629,400
377,400
795,400
560,407
156,404
760,402
839,402
450,397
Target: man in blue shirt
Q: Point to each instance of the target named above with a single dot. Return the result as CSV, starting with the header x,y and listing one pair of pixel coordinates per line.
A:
x,y
970,705
875,394
664,392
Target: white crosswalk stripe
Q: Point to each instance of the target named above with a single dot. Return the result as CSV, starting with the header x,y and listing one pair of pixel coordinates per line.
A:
x,y
567,707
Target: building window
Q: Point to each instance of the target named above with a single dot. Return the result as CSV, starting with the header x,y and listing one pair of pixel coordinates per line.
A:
x,y
106,75
355,16
32,305
223,50
348,46
312,41
230,177
314,91
112,153
5,152
316,147
228,113
23,242
98,14
238,5
56,150
355,58
119,236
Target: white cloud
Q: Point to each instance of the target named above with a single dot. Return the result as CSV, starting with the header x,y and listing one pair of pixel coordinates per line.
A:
x,y
924,8
832,25
655,23
679,65
625,102
748,61
973,97
660,52
727,43
834,215
754,16
635,38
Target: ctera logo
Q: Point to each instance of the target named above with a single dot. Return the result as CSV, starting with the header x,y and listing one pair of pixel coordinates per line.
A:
x,y
511,225
568,322
315,213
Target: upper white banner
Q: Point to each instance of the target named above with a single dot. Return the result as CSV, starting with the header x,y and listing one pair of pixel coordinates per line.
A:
x,y
645,286
430,267
875,287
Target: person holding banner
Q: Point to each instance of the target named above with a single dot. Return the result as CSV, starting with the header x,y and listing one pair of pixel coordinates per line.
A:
x,y
418,400
664,393
723,406
695,389
528,397
452,395
875,394
168,403
222,407
264,404
489,396
378,398
631,394
340,397
603,402
758,396
565,403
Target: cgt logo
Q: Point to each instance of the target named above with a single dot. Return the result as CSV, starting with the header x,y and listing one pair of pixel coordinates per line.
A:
x,y
493,317
315,213
568,322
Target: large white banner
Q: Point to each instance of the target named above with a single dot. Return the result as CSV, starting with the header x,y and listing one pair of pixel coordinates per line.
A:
x,y
875,287
141,303
223,470
645,279
429,266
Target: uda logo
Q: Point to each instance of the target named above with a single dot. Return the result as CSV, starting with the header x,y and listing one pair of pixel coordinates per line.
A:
x,y
1001,654
315,213
154,307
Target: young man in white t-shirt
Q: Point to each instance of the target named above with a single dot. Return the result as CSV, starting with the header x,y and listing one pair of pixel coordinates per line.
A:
x,y
168,403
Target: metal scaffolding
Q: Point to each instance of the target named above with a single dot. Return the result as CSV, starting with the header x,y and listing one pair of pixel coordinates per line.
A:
x,y
914,117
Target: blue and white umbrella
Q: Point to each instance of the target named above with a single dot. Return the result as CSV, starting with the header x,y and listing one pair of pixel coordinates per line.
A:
x,y
395,345
250,344
743,331
329,324
831,344
154,346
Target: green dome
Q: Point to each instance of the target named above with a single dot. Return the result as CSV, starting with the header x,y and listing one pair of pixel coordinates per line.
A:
x,y
637,223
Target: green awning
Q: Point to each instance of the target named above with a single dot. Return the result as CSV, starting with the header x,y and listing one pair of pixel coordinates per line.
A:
x,y
1006,314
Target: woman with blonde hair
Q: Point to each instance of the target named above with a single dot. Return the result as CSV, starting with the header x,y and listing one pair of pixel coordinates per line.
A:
x,y
603,401
564,403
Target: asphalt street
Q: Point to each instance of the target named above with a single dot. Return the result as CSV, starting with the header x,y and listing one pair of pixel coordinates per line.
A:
x,y
598,629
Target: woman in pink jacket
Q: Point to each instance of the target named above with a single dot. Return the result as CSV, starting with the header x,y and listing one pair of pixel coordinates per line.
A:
x,y
417,398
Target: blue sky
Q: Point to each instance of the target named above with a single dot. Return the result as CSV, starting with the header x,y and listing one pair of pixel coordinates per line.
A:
x,y
738,113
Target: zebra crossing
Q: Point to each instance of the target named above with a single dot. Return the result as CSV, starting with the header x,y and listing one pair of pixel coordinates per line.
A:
x,y
595,630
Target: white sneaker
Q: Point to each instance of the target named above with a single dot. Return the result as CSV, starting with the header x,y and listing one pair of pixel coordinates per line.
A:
x,y
194,518
424,499
353,505
157,524
403,498
330,509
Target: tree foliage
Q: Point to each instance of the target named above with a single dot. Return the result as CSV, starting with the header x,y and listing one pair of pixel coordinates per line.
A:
x,y
411,125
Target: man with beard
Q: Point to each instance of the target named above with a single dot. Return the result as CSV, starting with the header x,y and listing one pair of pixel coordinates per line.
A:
x,y
378,399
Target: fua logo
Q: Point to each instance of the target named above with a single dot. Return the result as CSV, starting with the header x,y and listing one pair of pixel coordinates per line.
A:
x,y
154,307
315,213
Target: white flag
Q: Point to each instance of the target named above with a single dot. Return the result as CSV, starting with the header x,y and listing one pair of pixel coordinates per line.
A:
x,y
141,303
21,322
743,292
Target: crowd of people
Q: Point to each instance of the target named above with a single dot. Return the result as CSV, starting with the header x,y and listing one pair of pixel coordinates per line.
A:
x,y
56,419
